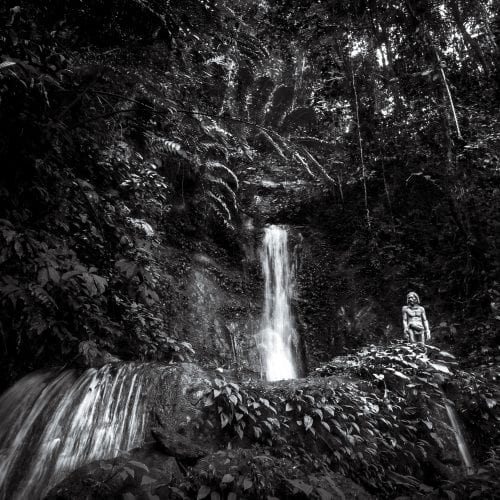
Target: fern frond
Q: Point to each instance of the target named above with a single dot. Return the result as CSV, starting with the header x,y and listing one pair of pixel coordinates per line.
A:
x,y
219,183
320,167
273,143
220,203
215,165
220,60
222,219
174,148
251,47
303,162
160,145
214,130
244,80
213,149
282,99
262,90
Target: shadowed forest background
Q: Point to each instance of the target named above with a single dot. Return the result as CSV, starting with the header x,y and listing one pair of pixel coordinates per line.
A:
x,y
145,144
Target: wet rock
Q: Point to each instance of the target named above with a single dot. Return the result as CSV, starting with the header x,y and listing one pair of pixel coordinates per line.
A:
x,y
178,446
222,313
176,403
338,487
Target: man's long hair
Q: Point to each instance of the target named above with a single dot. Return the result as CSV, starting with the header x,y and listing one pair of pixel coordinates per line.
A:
x,y
409,294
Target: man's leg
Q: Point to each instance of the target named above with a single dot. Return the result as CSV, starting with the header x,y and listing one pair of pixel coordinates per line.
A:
x,y
412,335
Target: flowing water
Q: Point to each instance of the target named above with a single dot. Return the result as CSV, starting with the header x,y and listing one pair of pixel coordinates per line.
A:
x,y
278,331
52,423
461,443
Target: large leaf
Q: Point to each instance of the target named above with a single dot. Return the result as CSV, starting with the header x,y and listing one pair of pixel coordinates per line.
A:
x,y
308,422
203,492
307,489
440,367
6,64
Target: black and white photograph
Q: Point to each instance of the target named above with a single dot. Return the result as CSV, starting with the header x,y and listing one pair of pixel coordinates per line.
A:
x,y
249,249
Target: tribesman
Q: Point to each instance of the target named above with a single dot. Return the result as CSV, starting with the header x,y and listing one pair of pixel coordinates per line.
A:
x,y
415,324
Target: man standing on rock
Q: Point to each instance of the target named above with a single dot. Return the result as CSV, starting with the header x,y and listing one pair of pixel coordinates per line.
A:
x,y
415,324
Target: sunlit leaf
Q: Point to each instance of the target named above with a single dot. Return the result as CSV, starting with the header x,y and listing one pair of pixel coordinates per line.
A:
x,y
307,489
203,492
224,420
147,480
308,422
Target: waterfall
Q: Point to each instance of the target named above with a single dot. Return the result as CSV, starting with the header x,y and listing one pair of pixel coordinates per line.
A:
x,y
277,323
462,445
52,423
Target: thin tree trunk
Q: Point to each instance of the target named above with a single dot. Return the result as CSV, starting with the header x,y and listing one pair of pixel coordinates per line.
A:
x,y
471,43
386,187
429,40
341,191
485,17
361,154
448,92
473,240
375,81
383,41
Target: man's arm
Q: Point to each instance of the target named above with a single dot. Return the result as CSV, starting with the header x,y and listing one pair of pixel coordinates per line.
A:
x,y
426,324
405,321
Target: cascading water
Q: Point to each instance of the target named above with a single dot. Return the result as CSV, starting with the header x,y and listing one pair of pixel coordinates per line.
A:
x,y
278,330
52,423
462,445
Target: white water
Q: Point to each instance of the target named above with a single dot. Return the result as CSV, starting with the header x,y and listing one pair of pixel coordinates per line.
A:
x,y
277,323
462,445
51,424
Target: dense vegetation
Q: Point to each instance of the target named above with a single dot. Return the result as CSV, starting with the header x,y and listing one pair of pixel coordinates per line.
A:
x,y
114,114
375,425
134,133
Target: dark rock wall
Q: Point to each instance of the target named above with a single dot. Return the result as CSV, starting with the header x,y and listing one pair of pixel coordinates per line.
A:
x,y
335,309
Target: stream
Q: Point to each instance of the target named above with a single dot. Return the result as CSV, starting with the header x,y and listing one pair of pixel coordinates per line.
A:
x,y
54,422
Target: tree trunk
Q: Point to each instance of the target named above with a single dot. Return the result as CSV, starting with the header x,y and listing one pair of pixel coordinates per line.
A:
x,y
471,43
383,42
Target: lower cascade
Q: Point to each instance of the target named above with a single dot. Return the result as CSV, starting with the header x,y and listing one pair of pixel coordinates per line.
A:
x,y
277,324
52,423
461,443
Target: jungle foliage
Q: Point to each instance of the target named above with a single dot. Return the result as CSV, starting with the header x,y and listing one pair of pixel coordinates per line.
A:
x,y
129,125
374,423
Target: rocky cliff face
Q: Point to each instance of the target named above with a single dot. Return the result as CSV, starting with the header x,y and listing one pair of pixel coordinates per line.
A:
x,y
335,304
222,317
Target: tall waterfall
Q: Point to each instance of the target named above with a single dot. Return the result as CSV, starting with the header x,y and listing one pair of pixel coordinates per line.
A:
x,y
52,423
277,323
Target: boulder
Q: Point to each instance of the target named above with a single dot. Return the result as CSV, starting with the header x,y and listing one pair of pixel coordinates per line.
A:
x,y
178,446
140,470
